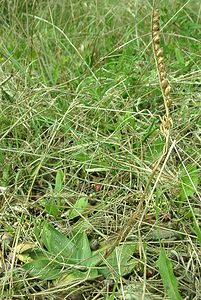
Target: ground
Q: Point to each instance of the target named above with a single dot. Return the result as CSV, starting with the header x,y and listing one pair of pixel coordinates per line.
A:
x,y
80,135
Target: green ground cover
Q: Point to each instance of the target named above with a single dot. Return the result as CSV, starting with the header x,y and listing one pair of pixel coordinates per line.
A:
x,y
80,115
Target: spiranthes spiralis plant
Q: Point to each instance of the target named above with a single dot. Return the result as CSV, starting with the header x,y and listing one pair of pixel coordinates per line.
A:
x,y
165,128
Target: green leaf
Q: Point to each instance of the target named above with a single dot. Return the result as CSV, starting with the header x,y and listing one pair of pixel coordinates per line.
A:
x,y
179,57
82,156
189,181
43,268
169,280
1,157
196,229
118,261
51,206
78,208
156,149
150,130
37,232
197,232
5,175
59,181
95,257
71,277
83,247
84,253
128,118
57,243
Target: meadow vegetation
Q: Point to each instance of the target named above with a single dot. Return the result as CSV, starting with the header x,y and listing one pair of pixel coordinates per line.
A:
x,y
95,201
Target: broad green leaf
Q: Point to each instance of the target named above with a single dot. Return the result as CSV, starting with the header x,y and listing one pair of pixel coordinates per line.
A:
x,y
57,243
95,257
189,181
83,247
84,253
71,277
78,208
33,254
59,181
43,269
169,280
51,206
118,261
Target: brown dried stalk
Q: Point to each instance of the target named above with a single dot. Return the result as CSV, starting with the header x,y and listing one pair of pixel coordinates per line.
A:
x,y
165,128
164,84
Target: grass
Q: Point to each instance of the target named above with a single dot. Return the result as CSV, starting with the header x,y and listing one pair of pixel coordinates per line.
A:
x,y
81,110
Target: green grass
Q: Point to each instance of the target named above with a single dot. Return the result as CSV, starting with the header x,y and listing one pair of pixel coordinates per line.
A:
x,y
80,118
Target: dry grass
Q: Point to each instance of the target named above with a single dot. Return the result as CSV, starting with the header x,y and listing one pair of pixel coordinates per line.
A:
x,y
80,94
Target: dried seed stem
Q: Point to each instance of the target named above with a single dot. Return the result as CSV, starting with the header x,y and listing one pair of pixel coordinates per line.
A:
x,y
165,128
164,83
